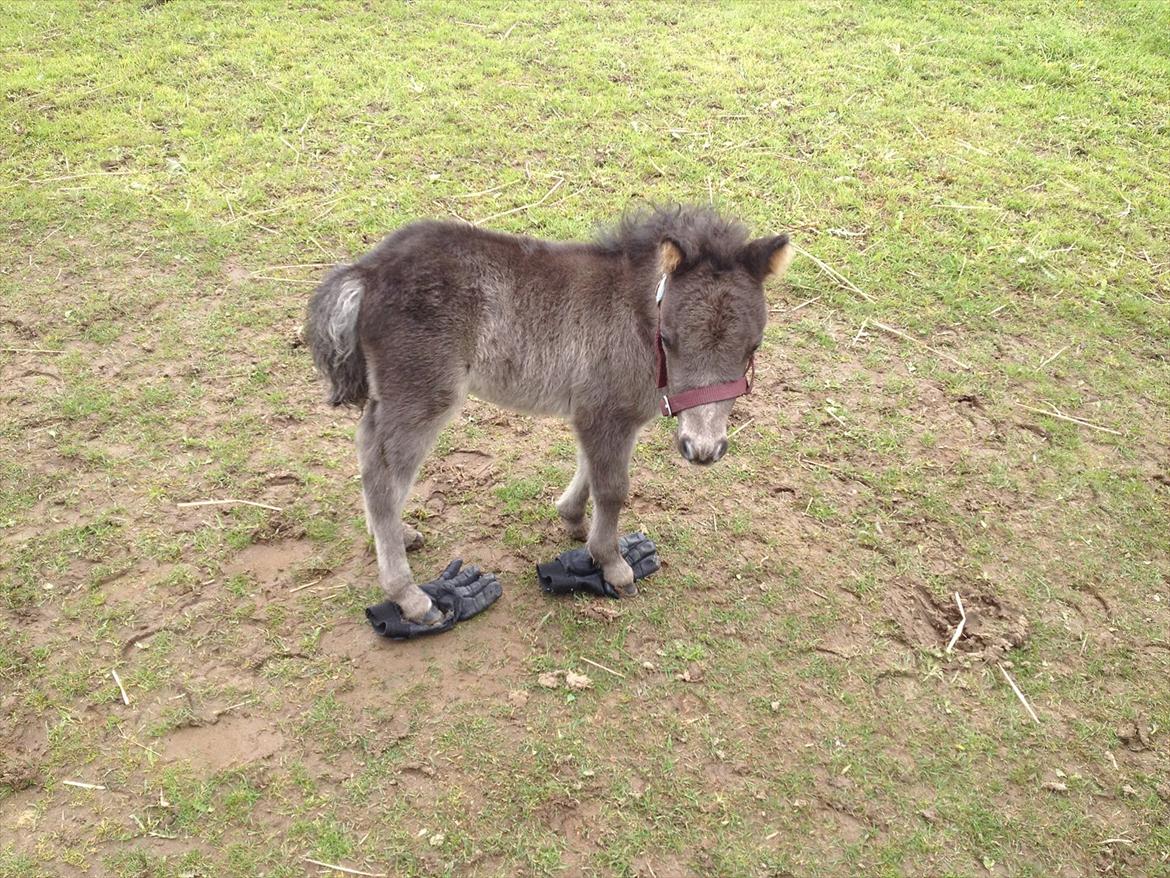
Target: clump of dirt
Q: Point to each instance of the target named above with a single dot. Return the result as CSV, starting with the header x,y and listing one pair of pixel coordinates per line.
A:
x,y
278,527
466,468
19,771
992,627
24,330
1134,736
21,752
598,612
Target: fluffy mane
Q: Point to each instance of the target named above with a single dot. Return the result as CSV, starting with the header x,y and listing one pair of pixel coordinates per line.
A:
x,y
701,232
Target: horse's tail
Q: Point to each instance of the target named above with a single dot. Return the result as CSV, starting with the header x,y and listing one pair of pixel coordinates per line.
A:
x,y
332,335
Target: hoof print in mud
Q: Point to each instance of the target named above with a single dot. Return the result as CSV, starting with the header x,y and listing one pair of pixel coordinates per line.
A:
x,y
992,627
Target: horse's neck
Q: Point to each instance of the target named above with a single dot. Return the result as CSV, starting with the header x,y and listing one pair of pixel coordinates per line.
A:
x,y
643,283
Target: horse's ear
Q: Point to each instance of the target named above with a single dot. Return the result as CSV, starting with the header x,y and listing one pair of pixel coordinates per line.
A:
x,y
768,256
671,255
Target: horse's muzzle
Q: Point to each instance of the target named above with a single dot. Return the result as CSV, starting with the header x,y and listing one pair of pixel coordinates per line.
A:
x,y
702,453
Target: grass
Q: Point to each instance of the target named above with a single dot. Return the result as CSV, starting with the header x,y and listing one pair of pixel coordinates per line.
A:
x,y
176,177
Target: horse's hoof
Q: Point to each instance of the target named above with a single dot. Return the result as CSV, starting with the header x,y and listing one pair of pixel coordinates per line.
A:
x,y
620,576
577,530
411,538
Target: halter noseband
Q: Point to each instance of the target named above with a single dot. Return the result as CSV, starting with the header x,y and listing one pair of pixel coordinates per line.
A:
x,y
670,406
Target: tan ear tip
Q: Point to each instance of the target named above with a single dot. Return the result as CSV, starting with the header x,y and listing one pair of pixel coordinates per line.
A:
x,y
782,256
670,256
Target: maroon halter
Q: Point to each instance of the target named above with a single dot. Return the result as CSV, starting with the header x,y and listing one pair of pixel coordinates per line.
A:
x,y
670,406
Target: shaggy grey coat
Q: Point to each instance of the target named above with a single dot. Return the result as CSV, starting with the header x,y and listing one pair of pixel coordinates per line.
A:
x,y
439,310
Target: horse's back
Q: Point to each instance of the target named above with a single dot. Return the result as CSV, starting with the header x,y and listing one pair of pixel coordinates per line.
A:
x,y
519,320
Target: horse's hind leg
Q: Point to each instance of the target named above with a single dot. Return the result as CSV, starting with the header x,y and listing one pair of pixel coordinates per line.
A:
x,y
571,506
411,538
394,437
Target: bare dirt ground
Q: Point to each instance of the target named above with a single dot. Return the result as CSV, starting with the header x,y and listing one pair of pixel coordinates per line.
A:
x,y
806,602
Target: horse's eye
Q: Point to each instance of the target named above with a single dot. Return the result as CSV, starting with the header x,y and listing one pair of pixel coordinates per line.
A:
x,y
668,342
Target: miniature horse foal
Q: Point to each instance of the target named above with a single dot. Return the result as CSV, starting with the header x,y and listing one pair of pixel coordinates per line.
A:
x,y
663,314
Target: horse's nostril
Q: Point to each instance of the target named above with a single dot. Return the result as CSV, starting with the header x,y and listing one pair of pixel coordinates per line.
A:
x,y
720,449
687,449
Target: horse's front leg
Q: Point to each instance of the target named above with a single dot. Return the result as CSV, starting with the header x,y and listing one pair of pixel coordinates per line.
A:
x,y
607,449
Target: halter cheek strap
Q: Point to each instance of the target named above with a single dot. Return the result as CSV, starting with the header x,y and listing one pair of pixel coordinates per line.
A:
x,y
670,406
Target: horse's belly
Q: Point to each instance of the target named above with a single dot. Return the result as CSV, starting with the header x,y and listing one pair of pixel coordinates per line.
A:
x,y
525,367
520,390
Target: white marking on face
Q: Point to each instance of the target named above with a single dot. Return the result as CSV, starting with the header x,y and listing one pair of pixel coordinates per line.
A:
x,y
705,428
